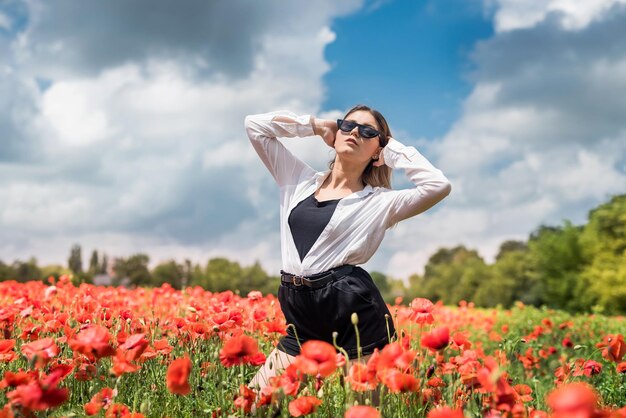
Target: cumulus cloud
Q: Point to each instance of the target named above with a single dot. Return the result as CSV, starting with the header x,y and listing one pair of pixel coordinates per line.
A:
x,y
542,136
134,141
570,14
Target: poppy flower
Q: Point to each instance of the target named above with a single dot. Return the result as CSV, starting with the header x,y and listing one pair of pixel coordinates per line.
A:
x,y
574,399
397,381
99,401
39,395
93,341
6,351
621,368
246,398
240,350
40,351
393,356
316,357
134,346
304,405
178,376
436,339
15,379
445,412
117,410
362,411
360,378
614,347
290,380
121,364
421,311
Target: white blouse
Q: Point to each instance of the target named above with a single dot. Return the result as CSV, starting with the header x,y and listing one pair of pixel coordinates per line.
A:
x,y
360,220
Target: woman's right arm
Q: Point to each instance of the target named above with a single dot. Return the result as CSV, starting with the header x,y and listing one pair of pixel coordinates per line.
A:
x,y
263,129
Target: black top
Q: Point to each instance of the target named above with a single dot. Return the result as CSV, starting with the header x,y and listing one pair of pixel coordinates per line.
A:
x,y
307,221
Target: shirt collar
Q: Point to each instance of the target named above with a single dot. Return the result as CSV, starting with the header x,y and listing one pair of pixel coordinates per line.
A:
x,y
321,176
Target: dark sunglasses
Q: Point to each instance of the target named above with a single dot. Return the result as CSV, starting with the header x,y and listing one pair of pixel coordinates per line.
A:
x,y
365,131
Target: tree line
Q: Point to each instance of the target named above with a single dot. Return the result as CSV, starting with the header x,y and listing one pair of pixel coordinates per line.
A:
x,y
575,268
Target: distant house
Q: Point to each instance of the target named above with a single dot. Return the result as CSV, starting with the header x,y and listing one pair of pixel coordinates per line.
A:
x,y
107,280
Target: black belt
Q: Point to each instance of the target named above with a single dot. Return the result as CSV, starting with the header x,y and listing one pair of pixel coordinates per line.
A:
x,y
316,280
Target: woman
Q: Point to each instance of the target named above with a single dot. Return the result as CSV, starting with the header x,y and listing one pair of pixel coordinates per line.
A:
x,y
332,221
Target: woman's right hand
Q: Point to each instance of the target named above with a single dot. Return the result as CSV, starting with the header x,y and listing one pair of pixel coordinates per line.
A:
x,y
327,129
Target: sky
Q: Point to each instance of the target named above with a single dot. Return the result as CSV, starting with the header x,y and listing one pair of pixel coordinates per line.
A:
x,y
121,123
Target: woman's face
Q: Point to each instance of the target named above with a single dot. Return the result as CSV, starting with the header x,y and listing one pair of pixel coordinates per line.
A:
x,y
351,146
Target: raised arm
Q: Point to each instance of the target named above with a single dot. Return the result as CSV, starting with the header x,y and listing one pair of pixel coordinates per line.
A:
x,y
263,129
431,186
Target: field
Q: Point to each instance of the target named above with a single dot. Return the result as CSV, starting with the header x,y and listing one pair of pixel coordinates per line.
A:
x,y
87,350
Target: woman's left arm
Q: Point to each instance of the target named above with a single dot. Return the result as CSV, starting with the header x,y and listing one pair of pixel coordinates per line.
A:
x,y
431,185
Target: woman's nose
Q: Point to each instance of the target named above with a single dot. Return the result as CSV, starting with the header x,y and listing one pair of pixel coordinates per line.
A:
x,y
355,131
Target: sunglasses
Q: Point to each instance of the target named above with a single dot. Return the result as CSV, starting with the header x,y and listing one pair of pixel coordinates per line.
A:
x,y
365,131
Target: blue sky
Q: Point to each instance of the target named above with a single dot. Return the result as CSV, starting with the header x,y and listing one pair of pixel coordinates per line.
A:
x,y
123,131
409,59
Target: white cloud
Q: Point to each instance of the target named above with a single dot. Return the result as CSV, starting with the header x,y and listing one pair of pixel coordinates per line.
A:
x,y
572,14
5,22
149,153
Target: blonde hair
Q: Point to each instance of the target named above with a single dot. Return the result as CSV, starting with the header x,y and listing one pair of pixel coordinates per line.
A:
x,y
372,175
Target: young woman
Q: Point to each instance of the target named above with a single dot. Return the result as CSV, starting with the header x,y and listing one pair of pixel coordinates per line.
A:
x,y
334,220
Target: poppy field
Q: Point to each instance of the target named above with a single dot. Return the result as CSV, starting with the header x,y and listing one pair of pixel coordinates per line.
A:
x,y
84,350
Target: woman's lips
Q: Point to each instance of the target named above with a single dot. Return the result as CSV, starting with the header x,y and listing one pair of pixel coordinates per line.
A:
x,y
351,141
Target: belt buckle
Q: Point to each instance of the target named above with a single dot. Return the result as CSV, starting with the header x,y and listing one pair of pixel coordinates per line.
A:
x,y
297,280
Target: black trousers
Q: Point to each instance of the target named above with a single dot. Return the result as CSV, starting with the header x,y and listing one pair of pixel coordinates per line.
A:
x,y
317,313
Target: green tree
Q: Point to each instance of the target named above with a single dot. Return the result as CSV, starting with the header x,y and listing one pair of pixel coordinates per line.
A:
x,y
75,261
7,272
26,271
603,240
54,270
452,275
104,266
221,274
556,260
94,266
168,272
134,268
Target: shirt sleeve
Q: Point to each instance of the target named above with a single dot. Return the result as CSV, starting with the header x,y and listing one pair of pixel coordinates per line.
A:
x,y
431,186
263,129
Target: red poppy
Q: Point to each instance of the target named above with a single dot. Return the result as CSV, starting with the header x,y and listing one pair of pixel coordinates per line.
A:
x,y
40,351
574,399
241,350
587,367
18,378
317,357
6,351
134,346
360,378
421,311
99,401
121,364
290,380
621,368
397,381
614,347
117,410
246,398
93,341
437,339
362,411
178,376
304,405
445,412
39,395
393,356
